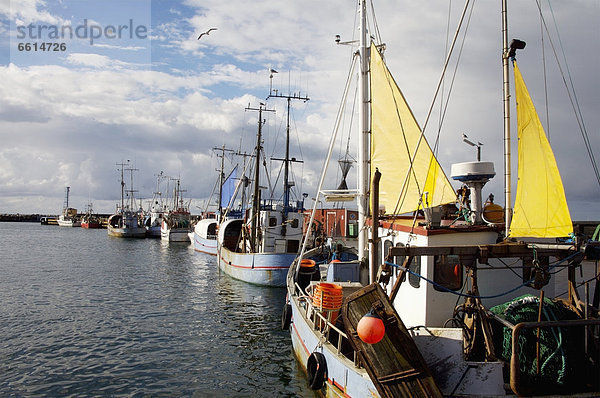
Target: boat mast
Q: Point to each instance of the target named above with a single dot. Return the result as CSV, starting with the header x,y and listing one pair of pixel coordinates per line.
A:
x,y
506,100
256,198
363,142
131,191
221,177
158,193
287,160
122,185
66,205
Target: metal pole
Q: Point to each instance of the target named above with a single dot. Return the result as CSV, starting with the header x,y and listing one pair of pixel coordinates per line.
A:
x,y
506,92
363,141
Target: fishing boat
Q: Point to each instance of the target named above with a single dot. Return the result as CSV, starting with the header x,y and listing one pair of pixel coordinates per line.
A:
x,y
177,222
464,301
68,216
48,220
153,217
125,222
204,236
260,248
90,220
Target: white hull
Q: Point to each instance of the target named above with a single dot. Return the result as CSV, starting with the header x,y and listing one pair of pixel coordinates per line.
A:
x,y
175,226
203,245
137,232
268,265
204,236
343,378
175,235
125,225
68,223
267,269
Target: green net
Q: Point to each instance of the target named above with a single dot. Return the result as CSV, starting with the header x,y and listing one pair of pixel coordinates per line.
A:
x,y
562,355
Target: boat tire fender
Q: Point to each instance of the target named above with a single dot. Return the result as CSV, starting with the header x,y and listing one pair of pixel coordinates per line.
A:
x,y
316,367
286,316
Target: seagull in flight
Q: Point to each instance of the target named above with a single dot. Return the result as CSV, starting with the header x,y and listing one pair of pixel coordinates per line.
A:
x,y
206,33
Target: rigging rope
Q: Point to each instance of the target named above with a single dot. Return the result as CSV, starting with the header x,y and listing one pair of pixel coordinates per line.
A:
x,y
570,87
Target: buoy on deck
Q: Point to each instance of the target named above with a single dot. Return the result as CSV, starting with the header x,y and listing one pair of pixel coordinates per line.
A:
x,y
370,328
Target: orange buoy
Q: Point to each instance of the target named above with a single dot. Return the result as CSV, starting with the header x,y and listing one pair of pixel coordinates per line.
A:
x,y
307,263
370,328
493,213
309,271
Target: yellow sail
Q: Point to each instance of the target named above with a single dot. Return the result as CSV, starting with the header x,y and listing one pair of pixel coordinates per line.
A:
x,y
540,208
400,151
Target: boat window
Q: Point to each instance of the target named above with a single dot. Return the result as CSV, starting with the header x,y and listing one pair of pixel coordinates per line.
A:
x,y
293,245
447,272
212,229
272,221
399,259
294,223
415,266
386,247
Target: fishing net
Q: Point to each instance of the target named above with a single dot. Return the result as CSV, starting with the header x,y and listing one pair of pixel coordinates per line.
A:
x,y
562,355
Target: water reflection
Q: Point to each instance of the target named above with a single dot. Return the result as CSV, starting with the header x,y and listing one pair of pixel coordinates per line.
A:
x,y
86,315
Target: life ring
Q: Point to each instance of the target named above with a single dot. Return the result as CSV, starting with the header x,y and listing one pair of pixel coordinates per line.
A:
x,y
286,316
316,367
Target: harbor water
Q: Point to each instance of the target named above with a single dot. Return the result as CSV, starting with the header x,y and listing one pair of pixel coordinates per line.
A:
x,y
83,314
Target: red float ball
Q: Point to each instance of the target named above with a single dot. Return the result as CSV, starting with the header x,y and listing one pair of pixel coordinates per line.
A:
x,y
370,328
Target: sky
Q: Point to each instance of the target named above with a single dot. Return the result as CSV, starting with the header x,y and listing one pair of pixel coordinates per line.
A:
x,y
129,81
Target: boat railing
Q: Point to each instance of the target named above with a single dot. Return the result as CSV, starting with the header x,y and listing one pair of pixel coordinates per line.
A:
x,y
515,363
322,324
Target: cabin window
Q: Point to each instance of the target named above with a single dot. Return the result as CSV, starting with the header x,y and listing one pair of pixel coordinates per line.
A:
x,y
294,223
386,248
447,272
415,266
399,259
293,245
272,221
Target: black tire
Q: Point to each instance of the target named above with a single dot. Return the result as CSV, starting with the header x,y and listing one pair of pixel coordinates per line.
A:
x,y
286,316
316,367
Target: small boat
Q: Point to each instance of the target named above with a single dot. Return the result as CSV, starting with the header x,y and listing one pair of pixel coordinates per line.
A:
x,y
260,248
177,222
48,220
89,219
125,222
153,218
463,301
68,217
204,236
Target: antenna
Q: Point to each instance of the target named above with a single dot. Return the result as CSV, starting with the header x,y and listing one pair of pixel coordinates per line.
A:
x,y
478,145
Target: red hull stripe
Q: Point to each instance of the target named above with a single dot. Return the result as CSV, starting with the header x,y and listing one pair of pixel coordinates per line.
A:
x,y
256,267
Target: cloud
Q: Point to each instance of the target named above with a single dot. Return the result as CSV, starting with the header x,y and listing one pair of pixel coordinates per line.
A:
x,y
127,48
95,60
28,11
70,121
